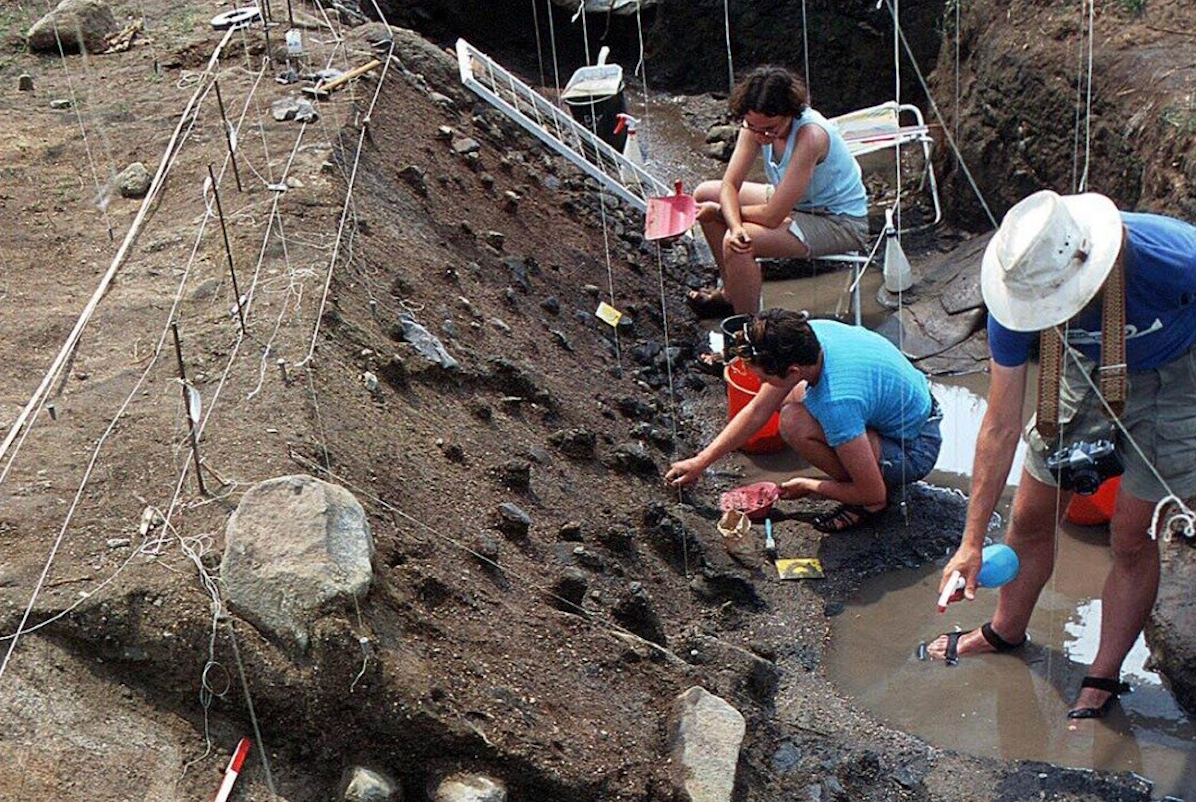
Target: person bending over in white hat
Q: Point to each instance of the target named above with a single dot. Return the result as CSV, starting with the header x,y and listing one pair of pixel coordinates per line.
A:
x,y
1050,267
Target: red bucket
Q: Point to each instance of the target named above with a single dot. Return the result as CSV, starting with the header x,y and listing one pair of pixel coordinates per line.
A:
x,y
1097,509
742,386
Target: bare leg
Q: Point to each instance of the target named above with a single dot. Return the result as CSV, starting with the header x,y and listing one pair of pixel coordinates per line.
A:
x,y
741,271
803,433
1032,535
714,228
1129,592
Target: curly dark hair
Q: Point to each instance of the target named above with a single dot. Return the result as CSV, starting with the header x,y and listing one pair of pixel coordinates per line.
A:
x,y
771,91
781,339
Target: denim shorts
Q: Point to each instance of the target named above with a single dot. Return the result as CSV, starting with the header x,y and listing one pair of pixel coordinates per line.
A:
x,y
903,462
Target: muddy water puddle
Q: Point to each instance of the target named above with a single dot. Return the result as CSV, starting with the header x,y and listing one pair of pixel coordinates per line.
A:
x,y
1008,706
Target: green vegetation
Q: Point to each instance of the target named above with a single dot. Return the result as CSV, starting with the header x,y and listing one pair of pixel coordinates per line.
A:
x,y
1132,6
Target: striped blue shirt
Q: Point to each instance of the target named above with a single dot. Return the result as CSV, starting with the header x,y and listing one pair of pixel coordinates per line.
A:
x,y
866,383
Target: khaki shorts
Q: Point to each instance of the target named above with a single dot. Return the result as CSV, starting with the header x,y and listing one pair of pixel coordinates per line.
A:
x,y
827,234
1160,416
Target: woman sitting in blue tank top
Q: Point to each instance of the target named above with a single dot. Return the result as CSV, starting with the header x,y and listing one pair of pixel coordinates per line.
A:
x,y
814,203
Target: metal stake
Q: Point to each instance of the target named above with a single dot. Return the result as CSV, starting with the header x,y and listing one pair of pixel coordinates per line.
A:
x,y
178,352
290,14
228,250
228,136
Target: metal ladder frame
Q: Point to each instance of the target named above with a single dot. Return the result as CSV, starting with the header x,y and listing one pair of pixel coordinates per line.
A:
x,y
572,140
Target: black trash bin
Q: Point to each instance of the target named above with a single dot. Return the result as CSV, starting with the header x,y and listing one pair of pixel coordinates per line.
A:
x,y
594,96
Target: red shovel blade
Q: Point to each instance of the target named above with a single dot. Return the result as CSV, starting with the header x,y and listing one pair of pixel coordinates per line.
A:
x,y
670,216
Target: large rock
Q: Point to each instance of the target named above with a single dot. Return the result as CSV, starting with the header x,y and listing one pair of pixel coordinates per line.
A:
x,y
76,23
296,547
363,785
1172,630
134,181
470,788
706,735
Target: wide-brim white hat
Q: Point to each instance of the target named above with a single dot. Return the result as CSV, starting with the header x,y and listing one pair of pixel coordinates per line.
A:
x,y
1049,258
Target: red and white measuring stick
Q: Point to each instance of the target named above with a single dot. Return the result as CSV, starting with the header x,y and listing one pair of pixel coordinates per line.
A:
x,y
234,768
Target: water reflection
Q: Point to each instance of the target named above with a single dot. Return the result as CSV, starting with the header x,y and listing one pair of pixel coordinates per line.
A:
x,y
963,410
1012,706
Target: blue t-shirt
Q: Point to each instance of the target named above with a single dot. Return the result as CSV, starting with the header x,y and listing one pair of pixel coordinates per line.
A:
x,y
1160,300
866,383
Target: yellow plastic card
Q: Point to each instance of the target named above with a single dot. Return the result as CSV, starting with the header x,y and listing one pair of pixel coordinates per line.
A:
x,y
608,314
800,568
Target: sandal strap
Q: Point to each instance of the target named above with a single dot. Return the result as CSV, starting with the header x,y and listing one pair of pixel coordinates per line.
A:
x,y
998,643
951,655
1107,684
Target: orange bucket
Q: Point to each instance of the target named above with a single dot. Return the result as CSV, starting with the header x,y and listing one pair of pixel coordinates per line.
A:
x,y
742,386
1097,509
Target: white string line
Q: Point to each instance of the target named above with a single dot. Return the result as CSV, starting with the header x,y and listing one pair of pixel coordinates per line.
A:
x,y
1088,102
556,69
805,52
641,66
727,31
1075,135
103,195
1185,512
348,200
610,275
539,46
896,8
943,124
117,260
668,361
585,35
958,4
92,461
128,400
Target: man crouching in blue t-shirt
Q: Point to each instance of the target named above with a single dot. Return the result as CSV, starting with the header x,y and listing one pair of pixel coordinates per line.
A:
x,y
1049,266
850,403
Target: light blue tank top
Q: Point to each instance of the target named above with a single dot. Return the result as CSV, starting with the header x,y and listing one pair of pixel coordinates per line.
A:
x,y
836,185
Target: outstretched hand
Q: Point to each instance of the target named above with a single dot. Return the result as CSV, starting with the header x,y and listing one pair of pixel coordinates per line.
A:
x,y
966,561
685,471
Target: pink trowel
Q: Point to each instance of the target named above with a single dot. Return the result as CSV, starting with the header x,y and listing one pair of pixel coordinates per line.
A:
x,y
670,216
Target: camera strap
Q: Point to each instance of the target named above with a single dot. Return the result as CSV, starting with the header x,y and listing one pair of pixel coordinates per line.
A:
x,y
1112,373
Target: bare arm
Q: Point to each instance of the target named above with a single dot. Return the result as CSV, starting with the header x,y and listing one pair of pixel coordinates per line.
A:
x,y
742,158
737,431
1000,432
811,147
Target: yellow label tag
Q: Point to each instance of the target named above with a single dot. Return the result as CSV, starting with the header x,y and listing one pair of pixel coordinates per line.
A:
x,y
801,568
608,314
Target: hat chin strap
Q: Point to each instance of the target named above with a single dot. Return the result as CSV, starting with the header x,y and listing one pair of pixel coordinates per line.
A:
x,y
1112,373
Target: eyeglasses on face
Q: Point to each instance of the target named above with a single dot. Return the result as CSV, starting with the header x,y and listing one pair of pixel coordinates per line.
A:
x,y
771,132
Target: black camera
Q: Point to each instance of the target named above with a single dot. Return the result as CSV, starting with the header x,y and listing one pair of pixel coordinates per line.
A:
x,y
1082,466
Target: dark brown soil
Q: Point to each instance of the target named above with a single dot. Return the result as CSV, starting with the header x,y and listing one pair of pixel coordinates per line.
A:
x,y
450,662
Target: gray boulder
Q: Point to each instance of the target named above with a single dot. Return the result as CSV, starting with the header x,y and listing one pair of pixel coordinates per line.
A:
x,y
296,547
1171,632
470,788
77,24
134,181
363,785
706,733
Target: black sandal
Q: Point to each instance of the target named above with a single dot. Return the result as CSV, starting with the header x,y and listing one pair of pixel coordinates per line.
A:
x,y
845,517
1113,687
999,644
